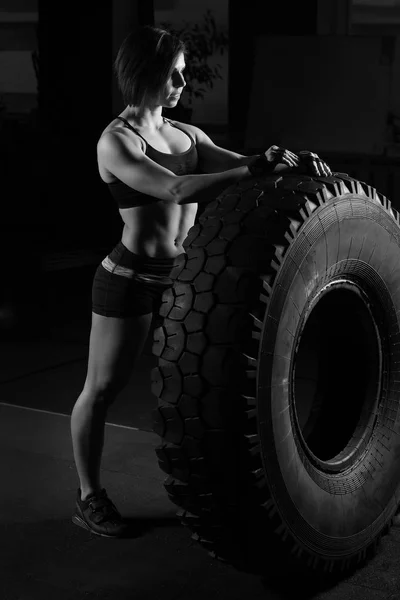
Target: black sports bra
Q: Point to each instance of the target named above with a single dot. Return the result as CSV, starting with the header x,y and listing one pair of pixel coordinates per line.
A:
x,y
184,163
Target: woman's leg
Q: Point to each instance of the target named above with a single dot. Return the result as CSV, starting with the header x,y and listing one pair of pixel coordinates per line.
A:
x,y
115,345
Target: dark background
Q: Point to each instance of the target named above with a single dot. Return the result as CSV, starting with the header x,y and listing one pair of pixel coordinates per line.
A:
x,y
58,221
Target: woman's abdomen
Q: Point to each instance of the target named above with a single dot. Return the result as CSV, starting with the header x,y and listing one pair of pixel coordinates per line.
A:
x,y
158,229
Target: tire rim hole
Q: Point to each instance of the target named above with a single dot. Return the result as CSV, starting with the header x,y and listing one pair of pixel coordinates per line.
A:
x,y
337,375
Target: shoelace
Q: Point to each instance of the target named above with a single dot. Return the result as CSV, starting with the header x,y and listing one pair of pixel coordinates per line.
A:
x,y
104,509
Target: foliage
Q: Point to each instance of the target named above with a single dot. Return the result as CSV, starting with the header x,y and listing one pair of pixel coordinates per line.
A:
x,y
202,41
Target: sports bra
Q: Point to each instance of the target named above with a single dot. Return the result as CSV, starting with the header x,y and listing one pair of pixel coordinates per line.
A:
x,y
184,163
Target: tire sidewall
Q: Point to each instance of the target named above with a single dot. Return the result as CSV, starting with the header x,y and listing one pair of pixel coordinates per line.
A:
x,y
347,236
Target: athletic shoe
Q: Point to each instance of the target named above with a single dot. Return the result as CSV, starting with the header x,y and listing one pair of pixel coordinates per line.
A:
x,y
99,515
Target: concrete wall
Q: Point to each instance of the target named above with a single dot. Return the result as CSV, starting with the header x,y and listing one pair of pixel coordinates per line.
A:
x,y
382,18
332,92
213,109
19,5
18,86
325,94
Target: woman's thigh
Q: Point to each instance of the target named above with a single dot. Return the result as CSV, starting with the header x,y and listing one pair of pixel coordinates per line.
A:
x,y
114,348
125,297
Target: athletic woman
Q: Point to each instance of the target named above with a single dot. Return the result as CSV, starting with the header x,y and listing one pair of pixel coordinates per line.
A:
x,y
158,171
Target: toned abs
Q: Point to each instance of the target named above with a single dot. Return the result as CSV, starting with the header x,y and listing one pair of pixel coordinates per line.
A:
x,y
157,230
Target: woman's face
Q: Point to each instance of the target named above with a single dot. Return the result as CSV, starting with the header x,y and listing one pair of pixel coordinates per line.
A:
x,y
175,84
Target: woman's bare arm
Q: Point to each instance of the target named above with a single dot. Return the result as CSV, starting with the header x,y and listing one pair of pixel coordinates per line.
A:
x,y
126,160
203,188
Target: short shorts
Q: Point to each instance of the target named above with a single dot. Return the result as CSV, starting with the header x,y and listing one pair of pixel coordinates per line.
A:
x,y
127,284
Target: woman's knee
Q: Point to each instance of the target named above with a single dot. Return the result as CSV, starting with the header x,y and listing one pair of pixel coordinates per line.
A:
x,y
102,390
115,345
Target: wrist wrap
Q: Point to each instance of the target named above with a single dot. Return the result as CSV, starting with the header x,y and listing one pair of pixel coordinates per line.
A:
x,y
261,166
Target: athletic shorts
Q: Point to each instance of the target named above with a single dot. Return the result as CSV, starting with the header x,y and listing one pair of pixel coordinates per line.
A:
x,y
127,284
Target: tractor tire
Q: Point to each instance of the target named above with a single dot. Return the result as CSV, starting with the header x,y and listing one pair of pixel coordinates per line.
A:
x,y
278,377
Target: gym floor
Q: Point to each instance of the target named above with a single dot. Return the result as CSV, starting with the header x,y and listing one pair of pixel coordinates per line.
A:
x,y
43,555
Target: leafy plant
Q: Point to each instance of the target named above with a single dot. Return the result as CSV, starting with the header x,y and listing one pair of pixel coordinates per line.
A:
x,y
202,41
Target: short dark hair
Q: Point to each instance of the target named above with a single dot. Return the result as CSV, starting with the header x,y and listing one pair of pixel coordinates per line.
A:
x,y
144,63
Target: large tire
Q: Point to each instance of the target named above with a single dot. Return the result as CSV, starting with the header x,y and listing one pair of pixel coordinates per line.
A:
x,y
278,374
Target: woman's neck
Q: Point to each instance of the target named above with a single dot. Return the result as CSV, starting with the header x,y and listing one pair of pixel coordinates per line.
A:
x,y
148,118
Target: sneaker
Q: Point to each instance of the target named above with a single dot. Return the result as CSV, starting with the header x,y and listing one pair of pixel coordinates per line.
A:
x,y
99,515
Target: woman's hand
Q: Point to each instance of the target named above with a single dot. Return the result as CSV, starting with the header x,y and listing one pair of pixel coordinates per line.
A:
x,y
274,160
277,155
312,164
279,160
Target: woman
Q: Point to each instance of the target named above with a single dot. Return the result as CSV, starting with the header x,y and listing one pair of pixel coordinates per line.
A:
x,y
158,171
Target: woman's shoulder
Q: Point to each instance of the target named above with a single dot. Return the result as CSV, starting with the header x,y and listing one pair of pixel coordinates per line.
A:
x,y
117,131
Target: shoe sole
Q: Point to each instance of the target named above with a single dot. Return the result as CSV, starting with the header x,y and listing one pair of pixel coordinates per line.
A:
x,y
81,523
